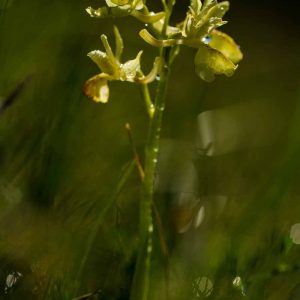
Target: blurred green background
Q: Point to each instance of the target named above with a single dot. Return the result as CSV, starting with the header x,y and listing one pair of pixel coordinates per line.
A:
x,y
228,178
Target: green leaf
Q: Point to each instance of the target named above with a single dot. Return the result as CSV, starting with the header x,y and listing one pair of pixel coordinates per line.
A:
x,y
209,62
226,45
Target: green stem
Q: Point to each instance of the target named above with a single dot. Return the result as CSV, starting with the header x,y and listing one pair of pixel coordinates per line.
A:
x,y
141,281
168,10
164,4
147,98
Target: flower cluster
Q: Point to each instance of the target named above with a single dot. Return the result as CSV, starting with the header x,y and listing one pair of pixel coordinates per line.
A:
x,y
112,69
217,52
121,8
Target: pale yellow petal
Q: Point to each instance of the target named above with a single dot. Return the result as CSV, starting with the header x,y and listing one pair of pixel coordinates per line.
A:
x,y
209,62
119,43
147,18
150,39
100,58
138,4
226,45
130,69
111,3
119,2
97,13
97,88
152,74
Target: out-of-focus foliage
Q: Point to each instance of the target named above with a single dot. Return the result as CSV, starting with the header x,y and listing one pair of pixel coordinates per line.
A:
x,y
228,182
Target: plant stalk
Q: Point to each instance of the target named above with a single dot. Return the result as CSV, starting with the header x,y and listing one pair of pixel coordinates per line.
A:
x,y
141,281
147,98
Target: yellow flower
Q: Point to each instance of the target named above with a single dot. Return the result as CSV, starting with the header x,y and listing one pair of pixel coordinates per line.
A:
x,y
217,52
112,69
97,88
126,4
121,8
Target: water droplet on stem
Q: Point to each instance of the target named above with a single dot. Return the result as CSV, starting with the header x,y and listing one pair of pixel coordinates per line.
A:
x,y
206,40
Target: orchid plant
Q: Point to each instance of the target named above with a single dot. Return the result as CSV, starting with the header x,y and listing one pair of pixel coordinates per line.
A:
x,y
216,53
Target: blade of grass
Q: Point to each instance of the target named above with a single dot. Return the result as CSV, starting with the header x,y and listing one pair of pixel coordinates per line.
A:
x,y
110,202
135,153
12,97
